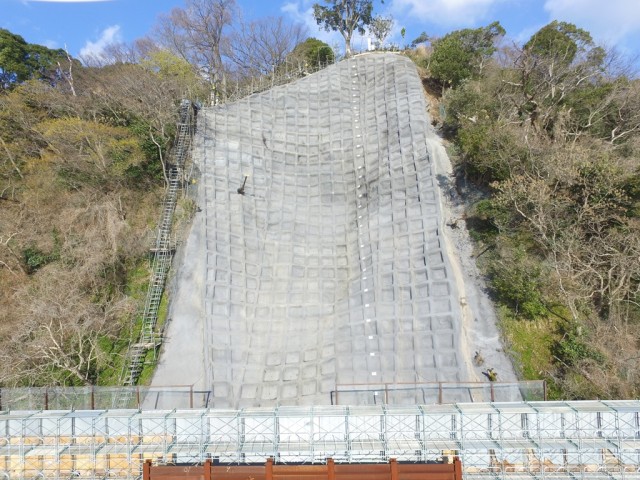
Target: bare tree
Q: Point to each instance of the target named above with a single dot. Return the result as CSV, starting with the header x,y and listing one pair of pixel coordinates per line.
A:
x,y
60,333
197,34
68,73
577,214
258,47
625,111
11,158
120,53
8,253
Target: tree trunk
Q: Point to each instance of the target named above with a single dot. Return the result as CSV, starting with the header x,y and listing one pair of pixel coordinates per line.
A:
x,y
162,162
347,45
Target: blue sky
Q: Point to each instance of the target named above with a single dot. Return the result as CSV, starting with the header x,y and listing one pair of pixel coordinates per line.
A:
x,y
86,26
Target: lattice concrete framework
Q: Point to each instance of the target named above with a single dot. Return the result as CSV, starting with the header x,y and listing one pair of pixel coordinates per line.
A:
x,y
330,267
560,440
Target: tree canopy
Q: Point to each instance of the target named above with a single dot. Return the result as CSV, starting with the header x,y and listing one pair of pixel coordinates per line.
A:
x,y
312,53
461,55
20,61
380,27
560,41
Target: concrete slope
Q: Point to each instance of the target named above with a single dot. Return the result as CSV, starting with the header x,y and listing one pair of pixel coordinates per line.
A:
x,y
331,268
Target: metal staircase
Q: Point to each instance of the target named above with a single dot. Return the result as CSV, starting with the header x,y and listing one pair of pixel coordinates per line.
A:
x,y
162,255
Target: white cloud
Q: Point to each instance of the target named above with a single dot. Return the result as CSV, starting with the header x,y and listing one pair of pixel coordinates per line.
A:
x,y
94,50
527,32
607,22
445,12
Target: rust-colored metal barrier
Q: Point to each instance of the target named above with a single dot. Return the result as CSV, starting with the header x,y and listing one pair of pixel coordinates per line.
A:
x,y
329,471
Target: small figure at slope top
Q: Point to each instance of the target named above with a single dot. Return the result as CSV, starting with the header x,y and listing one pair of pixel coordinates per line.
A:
x,y
491,374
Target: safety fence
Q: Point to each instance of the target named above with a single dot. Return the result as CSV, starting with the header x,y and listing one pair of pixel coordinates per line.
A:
x,y
438,393
290,71
100,398
185,396
393,470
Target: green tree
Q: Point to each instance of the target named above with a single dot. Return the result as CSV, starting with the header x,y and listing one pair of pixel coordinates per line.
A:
x,y
557,61
312,53
559,41
422,38
45,63
13,59
20,61
345,17
462,54
517,282
176,71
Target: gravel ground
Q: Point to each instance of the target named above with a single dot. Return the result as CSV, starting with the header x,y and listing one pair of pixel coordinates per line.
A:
x,y
479,326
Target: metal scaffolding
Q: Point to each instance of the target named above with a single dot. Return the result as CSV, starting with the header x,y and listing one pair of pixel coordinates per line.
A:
x,y
590,439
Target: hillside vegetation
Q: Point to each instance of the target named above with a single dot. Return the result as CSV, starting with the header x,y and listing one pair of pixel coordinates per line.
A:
x,y
547,139
82,157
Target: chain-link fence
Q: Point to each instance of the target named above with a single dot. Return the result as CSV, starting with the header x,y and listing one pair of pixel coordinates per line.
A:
x,y
441,392
184,396
99,398
233,90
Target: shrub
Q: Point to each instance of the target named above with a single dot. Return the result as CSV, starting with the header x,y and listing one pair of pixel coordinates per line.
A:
x,y
572,349
34,258
517,283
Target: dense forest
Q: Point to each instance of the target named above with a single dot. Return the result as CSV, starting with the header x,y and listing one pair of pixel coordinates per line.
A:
x,y
545,137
